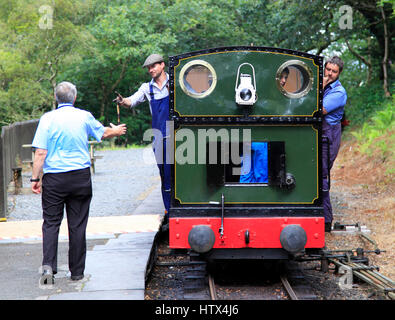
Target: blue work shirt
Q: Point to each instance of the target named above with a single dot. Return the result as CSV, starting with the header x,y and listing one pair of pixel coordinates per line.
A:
x,y
335,98
64,133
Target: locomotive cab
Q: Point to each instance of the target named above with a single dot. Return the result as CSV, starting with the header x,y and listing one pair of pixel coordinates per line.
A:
x,y
246,143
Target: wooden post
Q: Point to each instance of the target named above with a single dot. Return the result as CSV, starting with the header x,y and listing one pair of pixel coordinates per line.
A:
x,y
17,174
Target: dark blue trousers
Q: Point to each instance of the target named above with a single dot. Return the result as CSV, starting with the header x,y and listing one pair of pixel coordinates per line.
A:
x,y
333,134
165,174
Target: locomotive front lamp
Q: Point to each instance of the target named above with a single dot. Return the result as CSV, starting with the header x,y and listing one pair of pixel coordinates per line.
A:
x,y
245,87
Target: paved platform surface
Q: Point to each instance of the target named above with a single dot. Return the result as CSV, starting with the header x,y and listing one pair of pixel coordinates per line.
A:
x,y
118,251
98,227
116,270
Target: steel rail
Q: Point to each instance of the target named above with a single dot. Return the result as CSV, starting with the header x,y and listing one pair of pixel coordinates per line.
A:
x,y
374,275
371,277
289,289
211,284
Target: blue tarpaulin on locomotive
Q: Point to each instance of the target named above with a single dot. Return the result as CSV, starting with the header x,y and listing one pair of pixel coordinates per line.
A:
x,y
257,172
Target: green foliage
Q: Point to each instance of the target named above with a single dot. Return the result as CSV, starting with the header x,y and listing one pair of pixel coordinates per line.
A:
x,y
137,124
363,102
377,134
100,46
204,24
32,56
392,2
20,93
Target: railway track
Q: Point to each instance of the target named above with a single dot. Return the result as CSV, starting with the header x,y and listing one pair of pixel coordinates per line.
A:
x,y
368,274
193,279
287,286
296,284
182,275
300,290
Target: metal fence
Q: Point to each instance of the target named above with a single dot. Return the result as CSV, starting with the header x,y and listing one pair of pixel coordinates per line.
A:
x,y
13,154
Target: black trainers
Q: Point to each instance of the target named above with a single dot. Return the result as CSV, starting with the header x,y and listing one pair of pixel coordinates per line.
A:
x,y
47,276
76,278
328,227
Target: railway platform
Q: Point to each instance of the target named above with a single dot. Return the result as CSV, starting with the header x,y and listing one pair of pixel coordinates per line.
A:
x,y
119,248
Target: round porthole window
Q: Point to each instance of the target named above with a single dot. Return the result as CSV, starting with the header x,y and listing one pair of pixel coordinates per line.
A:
x,y
294,79
198,78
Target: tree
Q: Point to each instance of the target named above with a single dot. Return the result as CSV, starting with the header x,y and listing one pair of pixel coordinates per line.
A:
x,y
203,24
380,16
36,44
119,47
100,45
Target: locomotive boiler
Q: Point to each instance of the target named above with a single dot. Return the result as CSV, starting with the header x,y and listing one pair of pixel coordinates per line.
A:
x,y
246,146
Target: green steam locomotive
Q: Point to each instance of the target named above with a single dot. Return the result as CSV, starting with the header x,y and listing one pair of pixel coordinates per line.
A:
x,y
245,141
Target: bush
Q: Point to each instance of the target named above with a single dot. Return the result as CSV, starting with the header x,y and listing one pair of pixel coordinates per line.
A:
x,y
363,102
376,136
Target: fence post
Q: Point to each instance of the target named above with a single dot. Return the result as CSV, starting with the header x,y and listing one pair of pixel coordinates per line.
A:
x,y
11,140
3,187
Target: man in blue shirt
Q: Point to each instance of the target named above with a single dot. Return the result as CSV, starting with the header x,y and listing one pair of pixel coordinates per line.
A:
x,y
61,143
335,98
157,93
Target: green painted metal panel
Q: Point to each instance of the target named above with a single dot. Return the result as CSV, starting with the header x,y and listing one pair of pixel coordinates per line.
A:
x,y
301,148
271,102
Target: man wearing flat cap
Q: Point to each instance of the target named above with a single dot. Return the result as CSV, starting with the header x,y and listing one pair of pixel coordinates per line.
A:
x,y
157,93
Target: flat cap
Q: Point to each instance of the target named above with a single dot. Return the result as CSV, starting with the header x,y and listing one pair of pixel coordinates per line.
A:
x,y
153,58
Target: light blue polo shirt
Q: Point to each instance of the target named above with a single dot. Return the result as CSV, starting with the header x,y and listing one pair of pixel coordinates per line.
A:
x,y
64,133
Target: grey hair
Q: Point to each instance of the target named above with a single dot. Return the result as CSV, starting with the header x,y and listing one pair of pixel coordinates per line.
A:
x,y
65,92
337,61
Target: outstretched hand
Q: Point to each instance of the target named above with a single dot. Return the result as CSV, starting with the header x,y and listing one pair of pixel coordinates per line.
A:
x,y
118,99
119,130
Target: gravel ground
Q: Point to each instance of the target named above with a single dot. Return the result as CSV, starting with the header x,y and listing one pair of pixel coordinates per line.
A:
x,y
123,178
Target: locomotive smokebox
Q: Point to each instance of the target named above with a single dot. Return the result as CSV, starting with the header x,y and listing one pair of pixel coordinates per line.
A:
x,y
293,238
201,238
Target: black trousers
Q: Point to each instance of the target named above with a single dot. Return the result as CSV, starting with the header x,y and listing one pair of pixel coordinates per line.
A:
x,y
72,189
